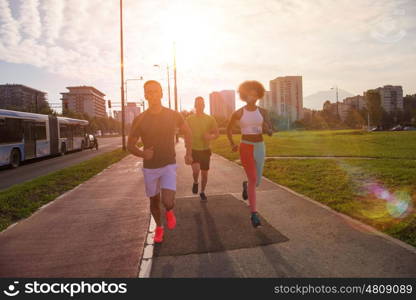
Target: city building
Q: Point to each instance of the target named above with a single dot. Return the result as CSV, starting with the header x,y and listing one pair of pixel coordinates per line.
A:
x,y
287,97
22,98
84,99
356,102
340,108
222,104
266,101
131,111
391,98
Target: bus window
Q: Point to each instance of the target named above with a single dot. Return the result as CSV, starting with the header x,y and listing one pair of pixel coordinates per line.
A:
x,y
11,130
78,131
63,131
40,129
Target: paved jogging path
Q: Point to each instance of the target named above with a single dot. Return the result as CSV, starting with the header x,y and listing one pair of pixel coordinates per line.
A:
x,y
317,242
99,229
96,230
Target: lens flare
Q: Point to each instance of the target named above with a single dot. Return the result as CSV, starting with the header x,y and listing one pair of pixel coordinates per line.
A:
x,y
398,204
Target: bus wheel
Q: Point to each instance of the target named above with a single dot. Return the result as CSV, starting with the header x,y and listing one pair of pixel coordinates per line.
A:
x,y
15,158
63,149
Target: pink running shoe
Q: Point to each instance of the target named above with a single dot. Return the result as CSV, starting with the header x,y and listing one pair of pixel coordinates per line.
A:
x,y
170,219
158,235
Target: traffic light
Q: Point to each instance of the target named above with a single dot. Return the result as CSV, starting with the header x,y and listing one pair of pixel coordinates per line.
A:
x,y
109,103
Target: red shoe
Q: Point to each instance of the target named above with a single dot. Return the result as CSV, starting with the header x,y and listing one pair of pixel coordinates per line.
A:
x,y
158,235
170,219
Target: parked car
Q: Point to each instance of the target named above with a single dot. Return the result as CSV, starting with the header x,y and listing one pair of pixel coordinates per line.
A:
x,y
397,128
378,128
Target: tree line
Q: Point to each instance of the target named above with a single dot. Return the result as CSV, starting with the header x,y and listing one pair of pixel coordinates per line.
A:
x,y
373,115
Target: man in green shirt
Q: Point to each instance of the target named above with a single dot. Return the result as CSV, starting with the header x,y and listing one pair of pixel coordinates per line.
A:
x,y
204,129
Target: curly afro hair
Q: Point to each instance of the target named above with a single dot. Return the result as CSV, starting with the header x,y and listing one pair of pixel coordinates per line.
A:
x,y
251,85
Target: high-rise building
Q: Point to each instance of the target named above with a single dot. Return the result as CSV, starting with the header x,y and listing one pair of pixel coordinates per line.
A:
x,y
356,102
222,104
287,97
391,98
131,111
84,99
22,98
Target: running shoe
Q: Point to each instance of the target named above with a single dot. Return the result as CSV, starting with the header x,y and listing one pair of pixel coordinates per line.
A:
x,y
245,192
203,196
195,188
170,219
255,220
158,235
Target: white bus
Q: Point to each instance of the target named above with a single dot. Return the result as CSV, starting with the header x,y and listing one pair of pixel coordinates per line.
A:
x,y
25,136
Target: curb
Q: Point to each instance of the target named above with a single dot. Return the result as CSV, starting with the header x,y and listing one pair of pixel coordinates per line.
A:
x,y
147,256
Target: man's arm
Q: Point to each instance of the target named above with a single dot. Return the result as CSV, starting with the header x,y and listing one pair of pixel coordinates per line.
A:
x,y
214,133
133,139
187,134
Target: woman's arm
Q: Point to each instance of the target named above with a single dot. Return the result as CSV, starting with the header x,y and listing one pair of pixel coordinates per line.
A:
x,y
230,126
267,122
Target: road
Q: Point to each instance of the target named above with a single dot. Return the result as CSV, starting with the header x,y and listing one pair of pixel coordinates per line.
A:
x,y
32,170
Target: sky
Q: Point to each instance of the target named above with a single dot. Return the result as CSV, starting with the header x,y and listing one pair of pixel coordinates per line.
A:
x,y
356,45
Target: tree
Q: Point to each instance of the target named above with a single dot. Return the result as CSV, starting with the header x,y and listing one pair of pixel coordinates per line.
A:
x,y
354,119
373,102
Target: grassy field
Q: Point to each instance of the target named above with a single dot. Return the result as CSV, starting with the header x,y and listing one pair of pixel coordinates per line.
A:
x,y
21,200
401,144
380,192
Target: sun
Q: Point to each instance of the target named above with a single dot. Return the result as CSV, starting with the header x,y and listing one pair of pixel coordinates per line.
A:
x,y
190,32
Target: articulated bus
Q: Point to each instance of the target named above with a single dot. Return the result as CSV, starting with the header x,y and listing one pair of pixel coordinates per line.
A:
x,y
25,136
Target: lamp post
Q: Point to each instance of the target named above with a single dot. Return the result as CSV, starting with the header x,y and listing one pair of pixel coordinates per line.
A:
x,y
168,79
123,137
336,92
175,87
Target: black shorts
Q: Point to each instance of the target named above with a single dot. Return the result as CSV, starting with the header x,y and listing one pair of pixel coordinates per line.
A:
x,y
202,157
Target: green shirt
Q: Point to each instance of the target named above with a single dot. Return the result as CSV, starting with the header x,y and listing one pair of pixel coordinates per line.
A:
x,y
200,125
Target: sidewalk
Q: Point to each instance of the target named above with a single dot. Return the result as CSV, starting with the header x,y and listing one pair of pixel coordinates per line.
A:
x,y
309,239
96,230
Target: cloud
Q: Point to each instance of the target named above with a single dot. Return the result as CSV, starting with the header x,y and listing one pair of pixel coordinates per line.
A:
x,y
9,27
219,43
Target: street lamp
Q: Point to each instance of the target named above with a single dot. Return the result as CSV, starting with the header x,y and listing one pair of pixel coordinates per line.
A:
x,y
123,137
336,89
175,87
168,79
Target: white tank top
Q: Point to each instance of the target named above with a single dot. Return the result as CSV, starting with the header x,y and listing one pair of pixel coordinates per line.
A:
x,y
251,122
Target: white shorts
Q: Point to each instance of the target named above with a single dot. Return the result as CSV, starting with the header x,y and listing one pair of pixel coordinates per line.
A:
x,y
155,179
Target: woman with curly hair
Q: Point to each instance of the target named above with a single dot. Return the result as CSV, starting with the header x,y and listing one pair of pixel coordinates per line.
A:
x,y
254,121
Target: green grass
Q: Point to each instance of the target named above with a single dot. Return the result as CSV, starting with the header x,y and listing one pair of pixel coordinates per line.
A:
x,y
334,143
21,200
348,185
